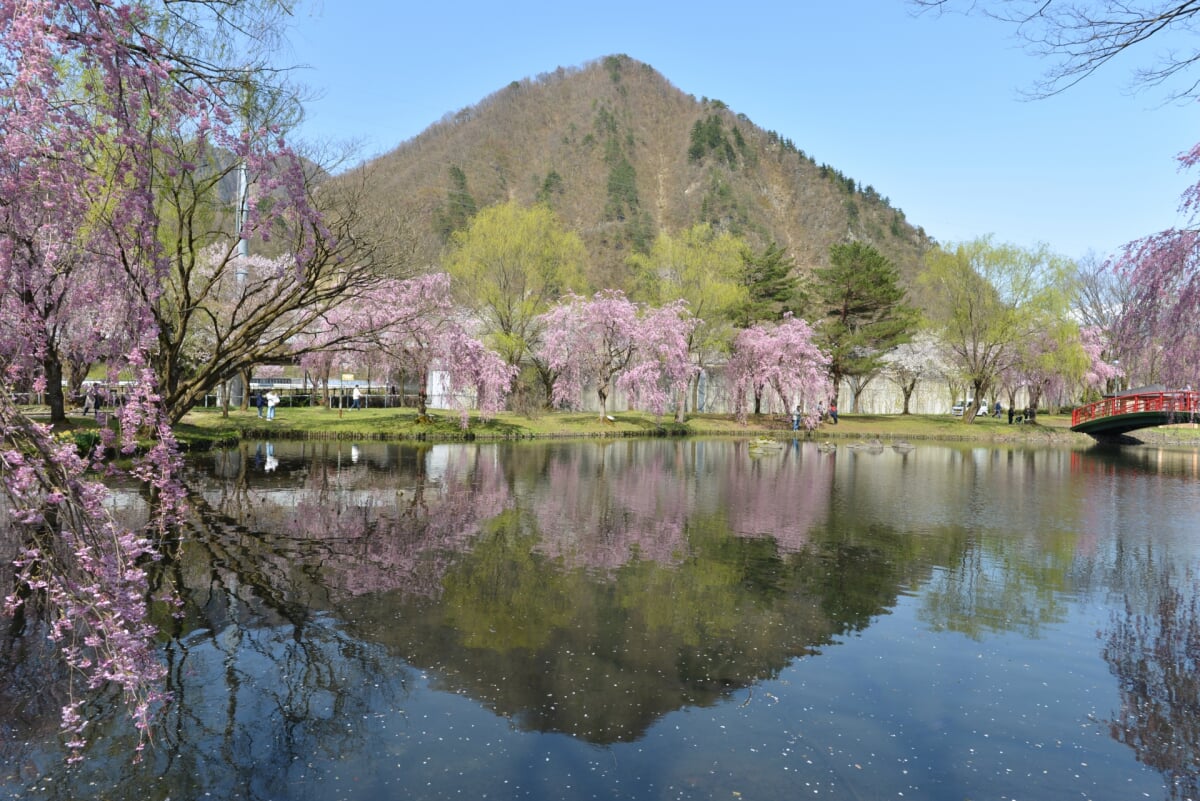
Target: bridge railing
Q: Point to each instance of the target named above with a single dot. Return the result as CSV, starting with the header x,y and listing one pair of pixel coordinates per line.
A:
x,y
1185,403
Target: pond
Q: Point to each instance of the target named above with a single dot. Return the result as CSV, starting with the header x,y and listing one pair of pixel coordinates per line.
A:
x,y
659,619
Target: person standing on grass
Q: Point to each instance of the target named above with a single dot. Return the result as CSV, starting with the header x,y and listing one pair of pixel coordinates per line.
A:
x,y
272,402
357,395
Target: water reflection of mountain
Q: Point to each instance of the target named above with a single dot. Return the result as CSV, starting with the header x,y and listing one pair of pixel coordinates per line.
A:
x,y
587,590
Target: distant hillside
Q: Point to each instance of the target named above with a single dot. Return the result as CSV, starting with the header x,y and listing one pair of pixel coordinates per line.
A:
x,y
621,154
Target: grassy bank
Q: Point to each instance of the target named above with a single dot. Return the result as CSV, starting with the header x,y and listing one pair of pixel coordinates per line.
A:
x,y
206,426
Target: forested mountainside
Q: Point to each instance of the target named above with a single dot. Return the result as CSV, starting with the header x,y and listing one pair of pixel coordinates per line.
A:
x,y
620,154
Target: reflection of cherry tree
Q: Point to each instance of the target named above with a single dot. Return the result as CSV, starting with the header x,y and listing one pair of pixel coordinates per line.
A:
x,y
406,542
600,510
364,533
36,685
264,679
1155,657
752,490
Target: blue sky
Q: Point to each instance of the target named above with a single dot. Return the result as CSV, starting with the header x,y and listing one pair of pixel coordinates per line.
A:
x,y
927,109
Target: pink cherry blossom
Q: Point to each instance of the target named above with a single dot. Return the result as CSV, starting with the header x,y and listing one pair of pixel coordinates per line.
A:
x,y
1157,329
782,359
102,117
410,327
610,341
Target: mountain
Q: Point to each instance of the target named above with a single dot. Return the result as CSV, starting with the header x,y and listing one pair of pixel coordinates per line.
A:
x,y
621,154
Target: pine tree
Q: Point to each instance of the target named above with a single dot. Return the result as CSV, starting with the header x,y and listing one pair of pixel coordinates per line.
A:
x,y
770,285
460,205
863,309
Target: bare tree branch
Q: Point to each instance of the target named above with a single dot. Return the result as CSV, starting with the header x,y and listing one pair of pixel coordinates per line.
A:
x,y
1082,37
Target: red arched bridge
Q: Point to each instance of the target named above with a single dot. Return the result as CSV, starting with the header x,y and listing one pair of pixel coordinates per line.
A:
x,y
1120,414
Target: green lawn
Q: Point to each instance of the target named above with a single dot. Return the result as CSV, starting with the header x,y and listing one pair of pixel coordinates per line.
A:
x,y
442,424
445,424
202,428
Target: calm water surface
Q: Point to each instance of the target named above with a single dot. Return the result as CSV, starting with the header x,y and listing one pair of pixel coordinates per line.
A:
x,y
659,620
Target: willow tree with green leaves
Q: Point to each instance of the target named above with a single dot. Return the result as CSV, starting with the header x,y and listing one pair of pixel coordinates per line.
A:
x,y
509,266
703,268
988,301
1053,361
864,313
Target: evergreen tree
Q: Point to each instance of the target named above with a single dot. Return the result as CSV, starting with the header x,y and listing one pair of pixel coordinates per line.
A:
x,y
622,191
553,185
708,136
863,311
460,205
770,286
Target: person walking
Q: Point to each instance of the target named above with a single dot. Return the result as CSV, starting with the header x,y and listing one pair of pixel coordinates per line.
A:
x,y
357,395
796,418
272,402
258,401
833,411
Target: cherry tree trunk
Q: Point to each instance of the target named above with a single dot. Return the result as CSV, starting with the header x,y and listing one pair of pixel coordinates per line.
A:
x,y
245,404
422,397
906,389
76,373
53,370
